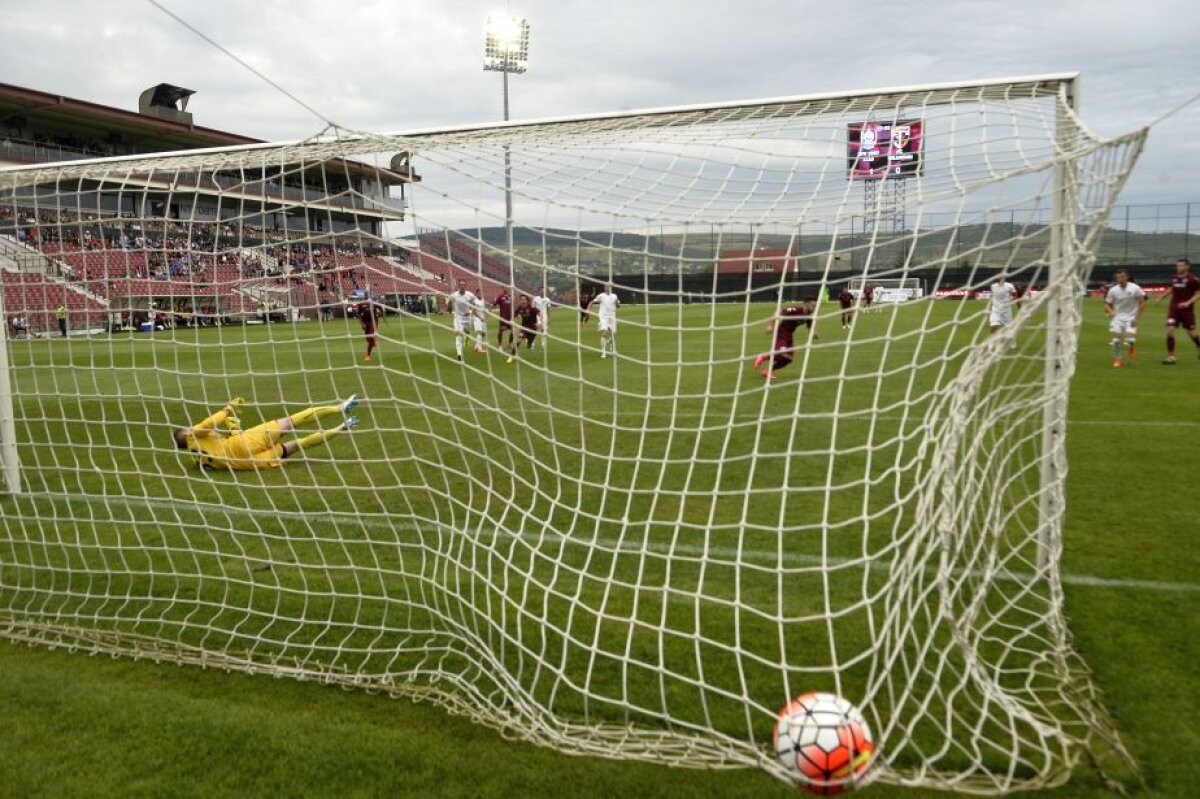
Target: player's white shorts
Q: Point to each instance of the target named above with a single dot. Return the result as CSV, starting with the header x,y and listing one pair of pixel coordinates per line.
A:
x,y
1123,323
461,324
608,323
1000,318
480,325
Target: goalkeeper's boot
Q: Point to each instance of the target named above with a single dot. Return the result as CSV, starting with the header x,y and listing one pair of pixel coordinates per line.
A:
x,y
350,423
350,404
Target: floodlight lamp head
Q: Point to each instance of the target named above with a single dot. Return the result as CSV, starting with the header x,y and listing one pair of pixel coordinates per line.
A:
x,y
506,44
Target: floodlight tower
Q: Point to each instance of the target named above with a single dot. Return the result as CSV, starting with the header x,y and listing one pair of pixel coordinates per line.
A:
x,y
505,50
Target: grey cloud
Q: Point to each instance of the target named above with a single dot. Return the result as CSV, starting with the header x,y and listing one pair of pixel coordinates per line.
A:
x,y
398,66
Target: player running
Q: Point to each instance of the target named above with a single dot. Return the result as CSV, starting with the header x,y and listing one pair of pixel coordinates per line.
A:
x,y
503,304
479,322
608,303
846,301
784,327
585,302
260,447
464,309
1004,296
868,296
1185,287
527,324
1124,305
542,303
368,317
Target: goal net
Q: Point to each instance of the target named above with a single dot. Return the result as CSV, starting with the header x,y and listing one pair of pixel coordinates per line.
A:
x,y
639,551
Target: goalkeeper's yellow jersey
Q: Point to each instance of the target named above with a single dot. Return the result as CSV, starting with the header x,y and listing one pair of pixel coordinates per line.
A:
x,y
256,448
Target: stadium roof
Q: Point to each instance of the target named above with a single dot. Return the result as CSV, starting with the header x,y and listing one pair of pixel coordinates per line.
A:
x,y
143,133
136,129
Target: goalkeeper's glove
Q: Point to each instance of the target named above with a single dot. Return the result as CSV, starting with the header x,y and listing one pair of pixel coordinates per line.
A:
x,y
232,423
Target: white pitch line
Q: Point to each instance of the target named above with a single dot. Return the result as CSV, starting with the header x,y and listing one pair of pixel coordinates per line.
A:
x,y
731,554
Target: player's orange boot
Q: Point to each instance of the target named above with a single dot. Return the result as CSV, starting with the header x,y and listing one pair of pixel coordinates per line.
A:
x,y
1118,363
760,360
1132,351
768,374
367,358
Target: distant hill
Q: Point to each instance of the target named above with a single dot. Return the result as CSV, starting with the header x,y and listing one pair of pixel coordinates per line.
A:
x,y
990,245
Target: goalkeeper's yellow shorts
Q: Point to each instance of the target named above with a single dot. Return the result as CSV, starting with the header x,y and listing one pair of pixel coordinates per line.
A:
x,y
256,448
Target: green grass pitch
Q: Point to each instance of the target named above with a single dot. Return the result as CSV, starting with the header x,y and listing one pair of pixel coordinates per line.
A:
x,y
77,725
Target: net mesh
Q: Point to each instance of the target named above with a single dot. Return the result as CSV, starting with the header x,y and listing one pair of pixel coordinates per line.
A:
x,y
641,555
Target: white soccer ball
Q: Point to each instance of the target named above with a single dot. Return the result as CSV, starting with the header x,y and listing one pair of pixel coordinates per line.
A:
x,y
824,743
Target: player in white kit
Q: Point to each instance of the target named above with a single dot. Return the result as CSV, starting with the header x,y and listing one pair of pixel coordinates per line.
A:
x,y
607,303
1124,305
463,310
542,303
1004,295
480,322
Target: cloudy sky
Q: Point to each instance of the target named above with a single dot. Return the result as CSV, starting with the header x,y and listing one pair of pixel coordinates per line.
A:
x,y
399,65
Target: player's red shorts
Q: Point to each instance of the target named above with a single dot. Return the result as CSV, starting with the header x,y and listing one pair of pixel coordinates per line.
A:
x,y
1182,317
782,354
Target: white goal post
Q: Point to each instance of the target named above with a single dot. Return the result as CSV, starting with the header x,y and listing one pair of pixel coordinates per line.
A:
x,y
640,548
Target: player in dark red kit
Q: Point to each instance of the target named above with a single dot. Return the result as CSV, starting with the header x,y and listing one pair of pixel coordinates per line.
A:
x,y
527,324
585,300
846,300
503,305
1185,287
868,296
368,317
784,327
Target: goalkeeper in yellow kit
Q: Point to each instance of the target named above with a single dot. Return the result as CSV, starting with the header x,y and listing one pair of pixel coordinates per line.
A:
x,y
260,447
